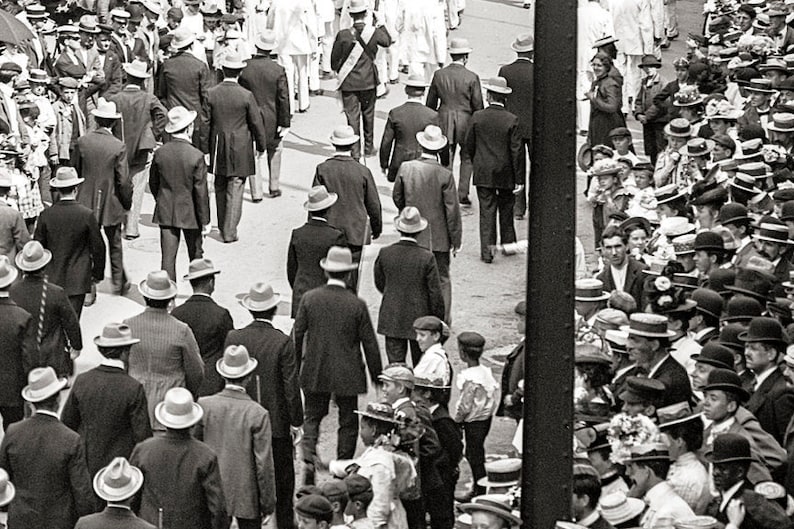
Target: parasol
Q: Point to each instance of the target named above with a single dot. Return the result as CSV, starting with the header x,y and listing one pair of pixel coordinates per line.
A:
x,y
12,30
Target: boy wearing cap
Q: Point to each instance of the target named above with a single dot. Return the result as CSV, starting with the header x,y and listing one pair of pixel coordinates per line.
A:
x,y
359,492
314,511
70,122
586,491
335,491
431,334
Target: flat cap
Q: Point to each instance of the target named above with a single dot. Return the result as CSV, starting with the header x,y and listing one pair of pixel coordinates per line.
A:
x,y
333,489
356,485
471,340
642,390
314,506
11,67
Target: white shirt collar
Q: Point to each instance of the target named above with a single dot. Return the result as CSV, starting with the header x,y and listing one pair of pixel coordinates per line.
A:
x,y
728,494
112,362
48,412
588,520
321,219
655,368
405,238
434,407
336,282
399,402
119,506
235,387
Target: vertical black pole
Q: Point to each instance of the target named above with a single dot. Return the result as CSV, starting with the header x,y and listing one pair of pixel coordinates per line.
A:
x,y
548,404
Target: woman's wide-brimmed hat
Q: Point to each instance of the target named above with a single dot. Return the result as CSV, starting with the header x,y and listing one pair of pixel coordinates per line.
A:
x,y
380,411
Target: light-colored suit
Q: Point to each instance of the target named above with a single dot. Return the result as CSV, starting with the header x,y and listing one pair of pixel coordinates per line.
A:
x,y
633,23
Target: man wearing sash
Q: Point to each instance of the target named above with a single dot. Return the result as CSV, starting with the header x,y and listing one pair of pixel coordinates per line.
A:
x,y
353,60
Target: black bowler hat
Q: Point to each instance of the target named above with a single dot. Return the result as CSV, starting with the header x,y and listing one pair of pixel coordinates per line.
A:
x,y
709,241
742,309
715,355
732,212
729,337
640,389
726,380
730,448
765,330
787,211
720,278
709,302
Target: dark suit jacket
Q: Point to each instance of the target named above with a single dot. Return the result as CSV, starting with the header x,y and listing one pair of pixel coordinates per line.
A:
x,y
113,518
46,463
71,232
181,477
210,324
358,198
178,181
634,279
495,146
407,276
451,441
114,75
398,143
235,126
107,407
144,120
17,346
675,380
267,80
277,371
455,92
760,513
101,159
520,77
307,246
773,405
60,327
331,328
364,75
184,81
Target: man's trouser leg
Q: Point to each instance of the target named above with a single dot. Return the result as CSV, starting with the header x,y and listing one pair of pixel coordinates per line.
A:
x,y
314,72
285,482
327,46
367,100
302,69
631,81
76,301
452,14
670,19
396,349
352,279
487,200
466,170
274,152
314,409
139,175
393,57
506,200
347,433
442,263
220,184
256,182
115,251
289,69
475,433
234,207
350,103
169,245
621,63
247,523
12,414
521,198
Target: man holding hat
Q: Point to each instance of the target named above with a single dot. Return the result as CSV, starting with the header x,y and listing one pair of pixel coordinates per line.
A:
x,y
274,386
106,406
69,230
238,429
353,60
310,243
182,486
429,186
407,276
101,159
456,94
331,329
178,182
494,144
45,460
117,484
267,80
235,127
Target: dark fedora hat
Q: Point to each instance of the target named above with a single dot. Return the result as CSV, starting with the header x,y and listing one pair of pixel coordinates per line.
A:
x,y
726,380
753,283
709,301
765,330
732,212
787,211
715,355
730,448
742,309
650,61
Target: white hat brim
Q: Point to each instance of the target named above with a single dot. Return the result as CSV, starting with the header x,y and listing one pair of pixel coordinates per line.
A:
x,y
158,295
221,368
32,267
44,393
254,306
178,422
110,494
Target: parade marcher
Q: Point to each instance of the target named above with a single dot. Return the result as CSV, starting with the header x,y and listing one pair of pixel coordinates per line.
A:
x,y
407,276
430,187
58,337
106,406
117,484
456,94
17,346
295,25
178,182
267,80
634,30
46,460
358,202
353,60
142,121
310,243
167,355
209,321
182,486
238,429
235,127
331,328
520,78
493,143
101,160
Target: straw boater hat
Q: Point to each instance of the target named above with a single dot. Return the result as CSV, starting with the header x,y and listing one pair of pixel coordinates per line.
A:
x,y
39,76
43,383
777,233
8,274
137,69
236,363
494,504
647,325
501,473
179,118
118,481
678,413
87,24
105,109
523,43
200,268
398,373
431,138
603,41
679,128
761,86
344,135
178,411
158,286
697,522
617,508
590,289
7,490
260,298
32,257
320,199
115,335
410,221
782,122
379,411
339,259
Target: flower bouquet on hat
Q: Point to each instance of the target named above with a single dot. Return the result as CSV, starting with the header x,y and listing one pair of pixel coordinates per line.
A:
x,y
757,45
625,432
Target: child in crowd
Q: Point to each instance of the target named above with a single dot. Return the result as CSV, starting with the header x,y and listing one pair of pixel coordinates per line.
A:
x,y
431,334
623,144
607,196
643,200
359,493
313,511
335,492
477,403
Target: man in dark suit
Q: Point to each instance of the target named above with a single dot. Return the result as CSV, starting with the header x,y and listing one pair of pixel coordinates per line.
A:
x,y
358,197
182,482
101,159
184,81
45,460
494,145
110,61
178,182
772,401
143,120
57,327
779,31
275,386
309,244
267,80
520,77
622,273
353,60
455,92
407,276
331,328
209,321
106,406
398,143
17,346
235,126
71,232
